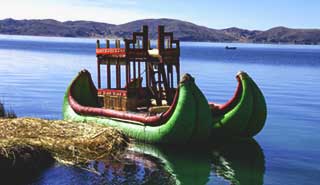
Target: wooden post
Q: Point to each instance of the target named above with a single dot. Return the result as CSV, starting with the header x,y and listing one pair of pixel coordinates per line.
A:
x,y
108,67
159,77
98,66
147,73
98,44
168,74
171,76
118,75
107,44
98,72
160,38
119,69
178,73
139,69
138,44
134,69
168,43
117,43
127,72
108,74
145,37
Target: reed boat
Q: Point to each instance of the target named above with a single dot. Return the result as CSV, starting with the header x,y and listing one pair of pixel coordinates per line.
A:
x,y
161,109
190,118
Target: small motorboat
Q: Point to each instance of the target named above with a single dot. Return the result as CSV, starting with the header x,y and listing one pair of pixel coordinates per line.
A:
x,y
229,47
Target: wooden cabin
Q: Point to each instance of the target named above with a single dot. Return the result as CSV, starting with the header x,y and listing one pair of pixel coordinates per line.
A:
x,y
136,75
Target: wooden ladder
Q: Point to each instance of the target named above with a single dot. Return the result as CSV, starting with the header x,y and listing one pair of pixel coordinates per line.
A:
x,y
159,82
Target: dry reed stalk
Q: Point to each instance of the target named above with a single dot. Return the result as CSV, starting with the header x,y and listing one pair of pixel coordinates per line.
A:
x,y
68,142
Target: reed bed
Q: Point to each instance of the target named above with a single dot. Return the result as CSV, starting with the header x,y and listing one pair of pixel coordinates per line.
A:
x,y
68,142
5,113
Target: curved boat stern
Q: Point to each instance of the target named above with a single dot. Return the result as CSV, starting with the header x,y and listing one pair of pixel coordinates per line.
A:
x,y
247,116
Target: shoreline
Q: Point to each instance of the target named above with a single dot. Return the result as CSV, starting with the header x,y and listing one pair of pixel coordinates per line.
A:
x,y
153,40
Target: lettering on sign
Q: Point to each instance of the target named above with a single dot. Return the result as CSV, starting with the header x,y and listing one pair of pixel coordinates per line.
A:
x,y
110,51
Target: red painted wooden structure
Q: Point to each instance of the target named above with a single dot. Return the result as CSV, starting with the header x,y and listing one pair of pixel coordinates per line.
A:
x,y
136,60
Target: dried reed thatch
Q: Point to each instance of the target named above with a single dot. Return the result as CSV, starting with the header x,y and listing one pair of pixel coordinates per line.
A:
x,y
68,142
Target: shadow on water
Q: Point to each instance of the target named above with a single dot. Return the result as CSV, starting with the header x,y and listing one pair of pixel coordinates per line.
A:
x,y
237,163
240,162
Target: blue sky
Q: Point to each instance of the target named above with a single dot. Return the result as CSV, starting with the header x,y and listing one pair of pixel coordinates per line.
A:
x,y
250,14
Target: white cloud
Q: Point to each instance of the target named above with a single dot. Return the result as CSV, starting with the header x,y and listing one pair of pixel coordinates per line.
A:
x,y
103,11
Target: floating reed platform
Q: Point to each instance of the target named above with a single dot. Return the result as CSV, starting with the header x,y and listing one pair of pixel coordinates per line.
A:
x,y
67,142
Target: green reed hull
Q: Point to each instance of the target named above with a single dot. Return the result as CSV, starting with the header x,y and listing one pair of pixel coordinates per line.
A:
x,y
190,121
246,115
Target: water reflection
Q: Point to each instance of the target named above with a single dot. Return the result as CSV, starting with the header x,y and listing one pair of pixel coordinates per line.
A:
x,y
240,162
237,163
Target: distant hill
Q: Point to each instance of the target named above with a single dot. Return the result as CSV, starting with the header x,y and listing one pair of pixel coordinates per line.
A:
x,y
183,30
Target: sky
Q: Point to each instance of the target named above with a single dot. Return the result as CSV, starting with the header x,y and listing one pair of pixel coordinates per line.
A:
x,y
248,14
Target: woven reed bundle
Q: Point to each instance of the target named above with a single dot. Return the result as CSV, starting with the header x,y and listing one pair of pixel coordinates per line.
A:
x,y
68,142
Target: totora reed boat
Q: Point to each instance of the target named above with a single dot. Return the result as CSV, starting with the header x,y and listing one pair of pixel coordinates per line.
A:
x,y
161,109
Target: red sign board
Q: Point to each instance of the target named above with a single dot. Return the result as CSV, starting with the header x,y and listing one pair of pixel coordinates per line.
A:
x,y
110,51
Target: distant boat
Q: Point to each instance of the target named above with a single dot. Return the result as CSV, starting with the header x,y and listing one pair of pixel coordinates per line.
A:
x,y
227,47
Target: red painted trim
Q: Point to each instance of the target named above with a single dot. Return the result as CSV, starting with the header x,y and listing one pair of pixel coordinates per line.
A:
x,y
94,111
110,51
115,92
223,108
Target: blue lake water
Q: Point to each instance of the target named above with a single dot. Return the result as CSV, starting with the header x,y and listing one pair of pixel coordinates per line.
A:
x,y
35,71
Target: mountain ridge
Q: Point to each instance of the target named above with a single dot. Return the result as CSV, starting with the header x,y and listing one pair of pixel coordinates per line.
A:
x,y
183,30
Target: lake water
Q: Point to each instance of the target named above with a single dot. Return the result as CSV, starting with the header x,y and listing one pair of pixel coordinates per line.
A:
x,y
35,71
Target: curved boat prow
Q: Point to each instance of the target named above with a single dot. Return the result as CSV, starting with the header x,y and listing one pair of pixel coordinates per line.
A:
x,y
244,115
